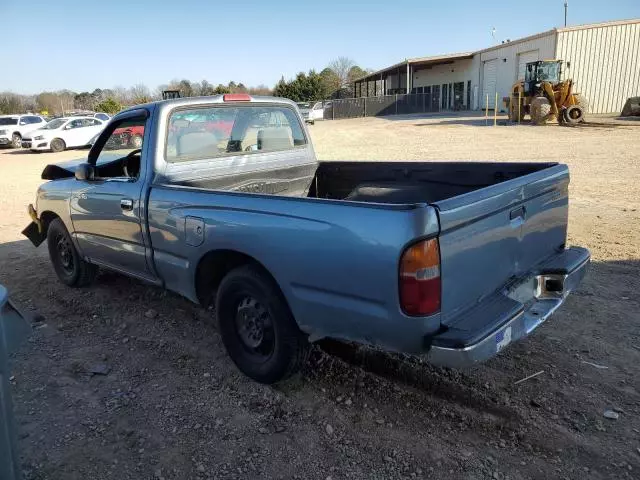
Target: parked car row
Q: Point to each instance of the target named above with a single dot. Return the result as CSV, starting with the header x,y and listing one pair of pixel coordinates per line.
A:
x,y
36,133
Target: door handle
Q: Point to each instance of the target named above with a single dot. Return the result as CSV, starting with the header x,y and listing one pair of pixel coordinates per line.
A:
x,y
126,204
519,212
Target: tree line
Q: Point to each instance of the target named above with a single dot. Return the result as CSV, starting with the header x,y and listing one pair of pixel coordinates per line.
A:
x,y
112,100
335,81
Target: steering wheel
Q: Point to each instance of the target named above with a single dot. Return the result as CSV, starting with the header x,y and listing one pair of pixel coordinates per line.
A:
x,y
125,161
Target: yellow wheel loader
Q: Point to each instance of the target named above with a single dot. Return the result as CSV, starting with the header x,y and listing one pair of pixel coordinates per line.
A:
x,y
544,96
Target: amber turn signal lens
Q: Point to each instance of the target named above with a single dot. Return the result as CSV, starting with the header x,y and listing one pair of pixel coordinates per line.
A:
x,y
420,287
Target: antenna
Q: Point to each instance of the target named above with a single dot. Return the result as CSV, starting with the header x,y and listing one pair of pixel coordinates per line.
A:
x,y
566,6
493,33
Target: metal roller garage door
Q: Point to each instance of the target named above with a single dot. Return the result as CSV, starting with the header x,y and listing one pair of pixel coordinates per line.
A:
x,y
523,59
489,73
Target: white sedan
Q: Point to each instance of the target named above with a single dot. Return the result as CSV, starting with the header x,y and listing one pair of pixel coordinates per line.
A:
x,y
62,133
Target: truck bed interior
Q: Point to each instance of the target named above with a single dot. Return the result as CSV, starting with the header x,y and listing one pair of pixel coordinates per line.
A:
x,y
411,182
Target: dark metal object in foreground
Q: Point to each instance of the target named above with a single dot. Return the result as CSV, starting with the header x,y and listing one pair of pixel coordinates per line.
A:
x,y
13,329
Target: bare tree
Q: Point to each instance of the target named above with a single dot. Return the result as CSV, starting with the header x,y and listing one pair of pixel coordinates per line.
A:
x,y
341,67
139,94
121,95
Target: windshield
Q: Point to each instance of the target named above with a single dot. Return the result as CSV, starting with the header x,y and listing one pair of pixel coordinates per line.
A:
x,y
549,72
8,121
54,124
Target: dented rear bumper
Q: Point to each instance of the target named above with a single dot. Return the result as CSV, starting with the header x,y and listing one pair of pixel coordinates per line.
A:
x,y
510,315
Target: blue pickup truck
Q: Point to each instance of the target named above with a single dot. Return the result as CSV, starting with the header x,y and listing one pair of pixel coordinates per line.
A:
x,y
452,261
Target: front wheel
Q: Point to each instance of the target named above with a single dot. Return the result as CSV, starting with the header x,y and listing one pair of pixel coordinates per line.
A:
x,y
71,269
57,145
16,140
540,110
257,327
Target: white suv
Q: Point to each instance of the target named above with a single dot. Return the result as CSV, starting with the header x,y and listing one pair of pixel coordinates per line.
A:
x,y
13,128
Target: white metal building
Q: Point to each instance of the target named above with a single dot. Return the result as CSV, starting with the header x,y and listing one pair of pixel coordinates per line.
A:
x,y
603,59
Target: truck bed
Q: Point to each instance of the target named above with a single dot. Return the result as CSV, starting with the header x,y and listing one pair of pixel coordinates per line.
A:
x,y
411,182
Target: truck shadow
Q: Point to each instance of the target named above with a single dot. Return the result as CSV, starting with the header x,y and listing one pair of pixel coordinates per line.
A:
x,y
612,283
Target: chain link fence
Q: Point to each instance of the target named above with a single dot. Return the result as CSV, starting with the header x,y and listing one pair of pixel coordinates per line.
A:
x,y
381,105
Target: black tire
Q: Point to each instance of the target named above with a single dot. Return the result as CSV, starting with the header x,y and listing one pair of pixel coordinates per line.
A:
x,y
71,269
135,141
573,114
57,145
16,140
513,112
582,101
257,327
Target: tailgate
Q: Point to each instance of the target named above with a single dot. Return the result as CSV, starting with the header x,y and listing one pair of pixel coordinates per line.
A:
x,y
491,236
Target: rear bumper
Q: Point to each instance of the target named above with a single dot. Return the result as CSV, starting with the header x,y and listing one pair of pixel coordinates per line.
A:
x,y
514,313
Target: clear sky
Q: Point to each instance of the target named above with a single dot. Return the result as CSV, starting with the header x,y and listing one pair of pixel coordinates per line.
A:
x,y
82,45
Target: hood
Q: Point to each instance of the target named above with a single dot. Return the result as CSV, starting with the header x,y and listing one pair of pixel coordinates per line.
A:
x,y
36,132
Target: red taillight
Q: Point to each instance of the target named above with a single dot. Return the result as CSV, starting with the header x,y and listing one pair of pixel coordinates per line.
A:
x,y
236,97
420,278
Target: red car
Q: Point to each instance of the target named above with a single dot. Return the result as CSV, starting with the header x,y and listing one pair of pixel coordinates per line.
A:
x,y
129,136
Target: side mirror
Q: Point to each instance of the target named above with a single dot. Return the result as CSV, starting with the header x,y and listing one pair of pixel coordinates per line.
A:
x,y
85,171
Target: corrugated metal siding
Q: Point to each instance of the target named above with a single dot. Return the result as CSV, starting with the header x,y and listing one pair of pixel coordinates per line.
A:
x,y
508,70
605,64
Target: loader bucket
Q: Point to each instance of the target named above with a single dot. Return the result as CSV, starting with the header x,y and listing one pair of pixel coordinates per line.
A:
x,y
631,107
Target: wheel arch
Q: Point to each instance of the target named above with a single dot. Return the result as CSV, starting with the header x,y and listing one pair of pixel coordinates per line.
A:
x,y
46,218
215,265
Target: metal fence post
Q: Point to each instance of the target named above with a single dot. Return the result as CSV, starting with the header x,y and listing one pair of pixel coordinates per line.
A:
x,y
423,104
365,107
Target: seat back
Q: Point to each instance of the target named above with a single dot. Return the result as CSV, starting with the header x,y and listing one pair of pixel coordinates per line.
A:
x,y
277,138
197,143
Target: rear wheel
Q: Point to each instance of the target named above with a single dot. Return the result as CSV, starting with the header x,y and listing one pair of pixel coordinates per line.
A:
x,y
583,103
71,269
540,110
57,145
513,111
573,114
16,140
257,327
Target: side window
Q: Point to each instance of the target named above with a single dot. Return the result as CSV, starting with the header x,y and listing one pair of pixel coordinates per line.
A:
x,y
120,154
24,121
211,132
73,124
90,122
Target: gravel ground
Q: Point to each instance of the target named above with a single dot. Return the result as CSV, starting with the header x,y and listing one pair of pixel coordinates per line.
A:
x,y
124,380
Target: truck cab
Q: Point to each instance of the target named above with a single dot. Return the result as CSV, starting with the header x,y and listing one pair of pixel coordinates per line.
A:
x,y
452,261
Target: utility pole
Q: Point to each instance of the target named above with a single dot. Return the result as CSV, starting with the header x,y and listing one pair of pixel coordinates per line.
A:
x,y
566,5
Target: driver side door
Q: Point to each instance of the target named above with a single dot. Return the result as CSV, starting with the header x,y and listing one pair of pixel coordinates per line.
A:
x,y
107,212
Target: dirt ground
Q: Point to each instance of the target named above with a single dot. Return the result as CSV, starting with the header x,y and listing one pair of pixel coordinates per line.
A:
x,y
164,400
